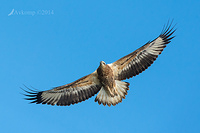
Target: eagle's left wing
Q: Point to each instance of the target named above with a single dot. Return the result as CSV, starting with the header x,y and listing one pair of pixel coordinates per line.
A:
x,y
139,60
68,94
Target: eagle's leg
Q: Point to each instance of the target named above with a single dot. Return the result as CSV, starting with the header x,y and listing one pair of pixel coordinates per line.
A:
x,y
104,96
115,92
111,91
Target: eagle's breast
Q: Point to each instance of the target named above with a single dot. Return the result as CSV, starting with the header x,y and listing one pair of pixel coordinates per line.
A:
x,y
105,75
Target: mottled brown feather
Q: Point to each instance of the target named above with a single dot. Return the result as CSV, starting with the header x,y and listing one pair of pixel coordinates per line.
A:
x,y
75,92
139,60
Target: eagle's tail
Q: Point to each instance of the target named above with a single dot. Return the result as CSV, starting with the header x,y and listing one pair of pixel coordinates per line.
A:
x,y
105,98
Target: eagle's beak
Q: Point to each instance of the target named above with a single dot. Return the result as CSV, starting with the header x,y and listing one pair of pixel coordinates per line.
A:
x,y
102,63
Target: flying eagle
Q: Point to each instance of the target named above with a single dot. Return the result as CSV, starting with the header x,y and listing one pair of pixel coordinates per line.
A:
x,y
107,79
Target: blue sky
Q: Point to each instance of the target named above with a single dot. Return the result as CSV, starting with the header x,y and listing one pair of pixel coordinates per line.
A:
x,y
54,43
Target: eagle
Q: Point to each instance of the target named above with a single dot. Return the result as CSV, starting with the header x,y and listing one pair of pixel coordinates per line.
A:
x,y
106,80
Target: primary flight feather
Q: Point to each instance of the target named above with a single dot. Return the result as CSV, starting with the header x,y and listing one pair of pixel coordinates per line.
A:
x,y
106,80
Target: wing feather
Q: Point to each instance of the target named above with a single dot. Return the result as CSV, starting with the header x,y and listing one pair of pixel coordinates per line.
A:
x,y
139,60
75,92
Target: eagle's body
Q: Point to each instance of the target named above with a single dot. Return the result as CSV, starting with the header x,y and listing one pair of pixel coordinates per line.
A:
x,y
107,78
111,93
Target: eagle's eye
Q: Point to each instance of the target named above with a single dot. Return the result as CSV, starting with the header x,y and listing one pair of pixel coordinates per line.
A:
x,y
103,63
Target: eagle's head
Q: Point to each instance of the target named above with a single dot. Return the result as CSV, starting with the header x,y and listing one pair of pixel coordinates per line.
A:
x,y
102,63
103,68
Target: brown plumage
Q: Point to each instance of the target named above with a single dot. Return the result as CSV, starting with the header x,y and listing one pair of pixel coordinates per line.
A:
x,y
107,78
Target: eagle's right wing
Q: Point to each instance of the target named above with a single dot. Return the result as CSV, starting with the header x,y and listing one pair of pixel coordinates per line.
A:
x,y
68,94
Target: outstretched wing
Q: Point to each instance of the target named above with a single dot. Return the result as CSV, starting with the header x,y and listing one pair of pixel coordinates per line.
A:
x,y
139,60
68,94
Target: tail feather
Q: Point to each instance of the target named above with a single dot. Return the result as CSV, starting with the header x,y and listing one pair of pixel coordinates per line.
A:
x,y
104,98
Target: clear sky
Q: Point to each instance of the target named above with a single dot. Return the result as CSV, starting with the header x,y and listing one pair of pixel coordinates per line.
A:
x,y
45,44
